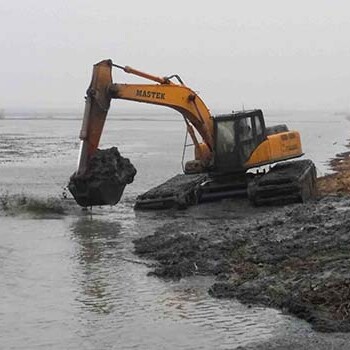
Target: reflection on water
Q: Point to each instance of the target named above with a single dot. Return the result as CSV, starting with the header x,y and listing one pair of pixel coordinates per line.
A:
x,y
119,302
95,239
71,283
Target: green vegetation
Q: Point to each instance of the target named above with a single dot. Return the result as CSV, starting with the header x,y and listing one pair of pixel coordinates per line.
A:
x,y
22,204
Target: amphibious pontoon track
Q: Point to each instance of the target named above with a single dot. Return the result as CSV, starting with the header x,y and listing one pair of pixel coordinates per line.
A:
x,y
180,191
286,182
292,181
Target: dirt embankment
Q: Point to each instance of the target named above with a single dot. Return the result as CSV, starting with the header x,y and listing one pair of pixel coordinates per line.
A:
x,y
339,181
295,258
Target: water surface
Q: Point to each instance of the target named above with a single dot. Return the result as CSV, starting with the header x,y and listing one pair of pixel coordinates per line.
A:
x,y
72,281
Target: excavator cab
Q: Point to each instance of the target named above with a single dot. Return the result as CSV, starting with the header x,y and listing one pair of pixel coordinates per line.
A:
x,y
236,136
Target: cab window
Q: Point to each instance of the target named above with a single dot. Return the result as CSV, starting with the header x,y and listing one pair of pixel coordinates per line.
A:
x,y
258,126
225,140
246,137
245,129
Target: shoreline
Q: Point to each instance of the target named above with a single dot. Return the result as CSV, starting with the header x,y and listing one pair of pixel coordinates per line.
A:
x,y
339,181
293,258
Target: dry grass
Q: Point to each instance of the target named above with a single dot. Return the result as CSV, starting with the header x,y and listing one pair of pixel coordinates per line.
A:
x,y
338,182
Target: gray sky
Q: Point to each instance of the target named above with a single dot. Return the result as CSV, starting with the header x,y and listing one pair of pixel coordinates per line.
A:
x,y
263,54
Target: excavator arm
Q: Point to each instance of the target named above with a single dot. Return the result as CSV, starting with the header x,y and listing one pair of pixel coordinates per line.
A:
x,y
238,140
162,92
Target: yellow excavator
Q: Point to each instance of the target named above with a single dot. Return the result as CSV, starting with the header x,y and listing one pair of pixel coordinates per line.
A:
x,y
225,147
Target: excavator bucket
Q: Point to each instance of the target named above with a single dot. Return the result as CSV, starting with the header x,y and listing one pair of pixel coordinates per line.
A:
x,y
104,180
100,193
102,174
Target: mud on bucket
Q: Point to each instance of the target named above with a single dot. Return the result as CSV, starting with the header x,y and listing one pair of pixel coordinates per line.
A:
x,y
104,181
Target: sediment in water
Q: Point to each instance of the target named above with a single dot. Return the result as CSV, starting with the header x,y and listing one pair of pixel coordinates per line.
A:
x,y
15,204
105,179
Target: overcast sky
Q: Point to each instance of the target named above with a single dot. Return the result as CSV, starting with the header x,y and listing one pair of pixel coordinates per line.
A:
x,y
260,53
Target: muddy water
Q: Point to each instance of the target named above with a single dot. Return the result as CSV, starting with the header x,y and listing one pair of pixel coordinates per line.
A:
x,y
71,280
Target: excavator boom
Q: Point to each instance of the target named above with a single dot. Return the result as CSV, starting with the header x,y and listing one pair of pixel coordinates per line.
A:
x,y
162,92
96,108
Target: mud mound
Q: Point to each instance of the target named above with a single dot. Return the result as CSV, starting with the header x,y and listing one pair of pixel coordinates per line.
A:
x,y
295,259
183,254
105,179
338,182
332,294
331,300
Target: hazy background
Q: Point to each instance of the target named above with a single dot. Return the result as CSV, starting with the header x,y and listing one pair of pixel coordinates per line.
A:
x,y
269,54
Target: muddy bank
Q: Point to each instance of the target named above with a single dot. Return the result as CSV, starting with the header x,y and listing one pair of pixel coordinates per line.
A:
x,y
292,258
339,180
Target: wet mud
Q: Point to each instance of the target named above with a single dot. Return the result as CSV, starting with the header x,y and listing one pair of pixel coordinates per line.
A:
x,y
339,180
294,258
105,179
17,147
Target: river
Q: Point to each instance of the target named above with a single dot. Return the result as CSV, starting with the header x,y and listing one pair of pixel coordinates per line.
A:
x,y
72,281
